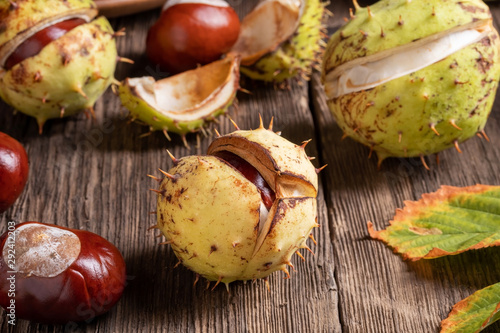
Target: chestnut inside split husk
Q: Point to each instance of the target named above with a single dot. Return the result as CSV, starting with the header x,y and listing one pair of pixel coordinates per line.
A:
x,y
243,210
56,57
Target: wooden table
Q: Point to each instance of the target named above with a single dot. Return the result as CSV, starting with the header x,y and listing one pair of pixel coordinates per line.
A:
x,y
92,175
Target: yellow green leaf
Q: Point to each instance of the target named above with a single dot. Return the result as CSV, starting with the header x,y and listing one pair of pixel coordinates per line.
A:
x,y
474,313
449,221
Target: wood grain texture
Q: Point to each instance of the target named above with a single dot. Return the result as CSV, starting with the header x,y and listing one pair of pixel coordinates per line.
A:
x,y
92,175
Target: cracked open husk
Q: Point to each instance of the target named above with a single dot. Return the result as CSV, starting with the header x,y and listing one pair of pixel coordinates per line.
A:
x,y
413,78
280,39
185,102
70,73
214,218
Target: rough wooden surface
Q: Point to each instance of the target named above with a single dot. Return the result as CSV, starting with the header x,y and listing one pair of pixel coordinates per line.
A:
x,y
92,175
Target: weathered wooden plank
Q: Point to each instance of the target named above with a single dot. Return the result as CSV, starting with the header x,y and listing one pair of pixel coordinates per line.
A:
x,y
378,291
92,175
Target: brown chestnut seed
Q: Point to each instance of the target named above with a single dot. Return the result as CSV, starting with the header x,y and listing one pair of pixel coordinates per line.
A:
x,y
14,170
34,44
60,275
191,33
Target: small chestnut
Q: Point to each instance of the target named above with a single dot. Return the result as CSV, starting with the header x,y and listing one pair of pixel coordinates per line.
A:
x,y
56,275
13,170
191,33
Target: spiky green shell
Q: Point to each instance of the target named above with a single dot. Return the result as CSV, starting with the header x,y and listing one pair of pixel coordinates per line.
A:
x,y
396,118
51,83
297,55
19,16
158,121
210,213
201,221
430,109
394,23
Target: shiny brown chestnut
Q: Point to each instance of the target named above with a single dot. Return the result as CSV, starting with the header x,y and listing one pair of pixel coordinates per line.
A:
x,y
14,170
191,33
34,44
56,275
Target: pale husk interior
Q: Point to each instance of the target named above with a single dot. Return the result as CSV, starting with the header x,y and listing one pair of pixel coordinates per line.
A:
x,y
369,72
191,95
267,26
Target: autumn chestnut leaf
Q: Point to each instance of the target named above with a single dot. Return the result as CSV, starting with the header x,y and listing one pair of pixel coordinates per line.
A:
x,y
449,221
58,275
191,33
474,313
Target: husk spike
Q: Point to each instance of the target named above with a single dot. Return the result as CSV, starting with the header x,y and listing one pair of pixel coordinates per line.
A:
x,y
172,157
178,263
173,177
422,158
234,124
452,122
312,238
157,191
217,283
155,178
165,132
261,124
455,143
484,134
184,141
284,270
433,128
196,279
356,5
318,170
304,246
123,59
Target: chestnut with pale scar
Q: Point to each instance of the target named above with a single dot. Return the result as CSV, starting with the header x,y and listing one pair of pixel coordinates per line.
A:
x,y
61,275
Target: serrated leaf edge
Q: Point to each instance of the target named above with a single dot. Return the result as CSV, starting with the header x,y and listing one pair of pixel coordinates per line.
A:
x,y
412,209
448,323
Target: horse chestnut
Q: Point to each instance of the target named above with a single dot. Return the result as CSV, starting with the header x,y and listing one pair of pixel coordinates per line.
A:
x,y
241,211
191,33
13,170
56,58
57,275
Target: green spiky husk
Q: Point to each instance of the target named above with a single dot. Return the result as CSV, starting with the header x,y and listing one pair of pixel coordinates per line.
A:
x,y
395,118
398,23
297,55
210,213
141,111
23,15
43,85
